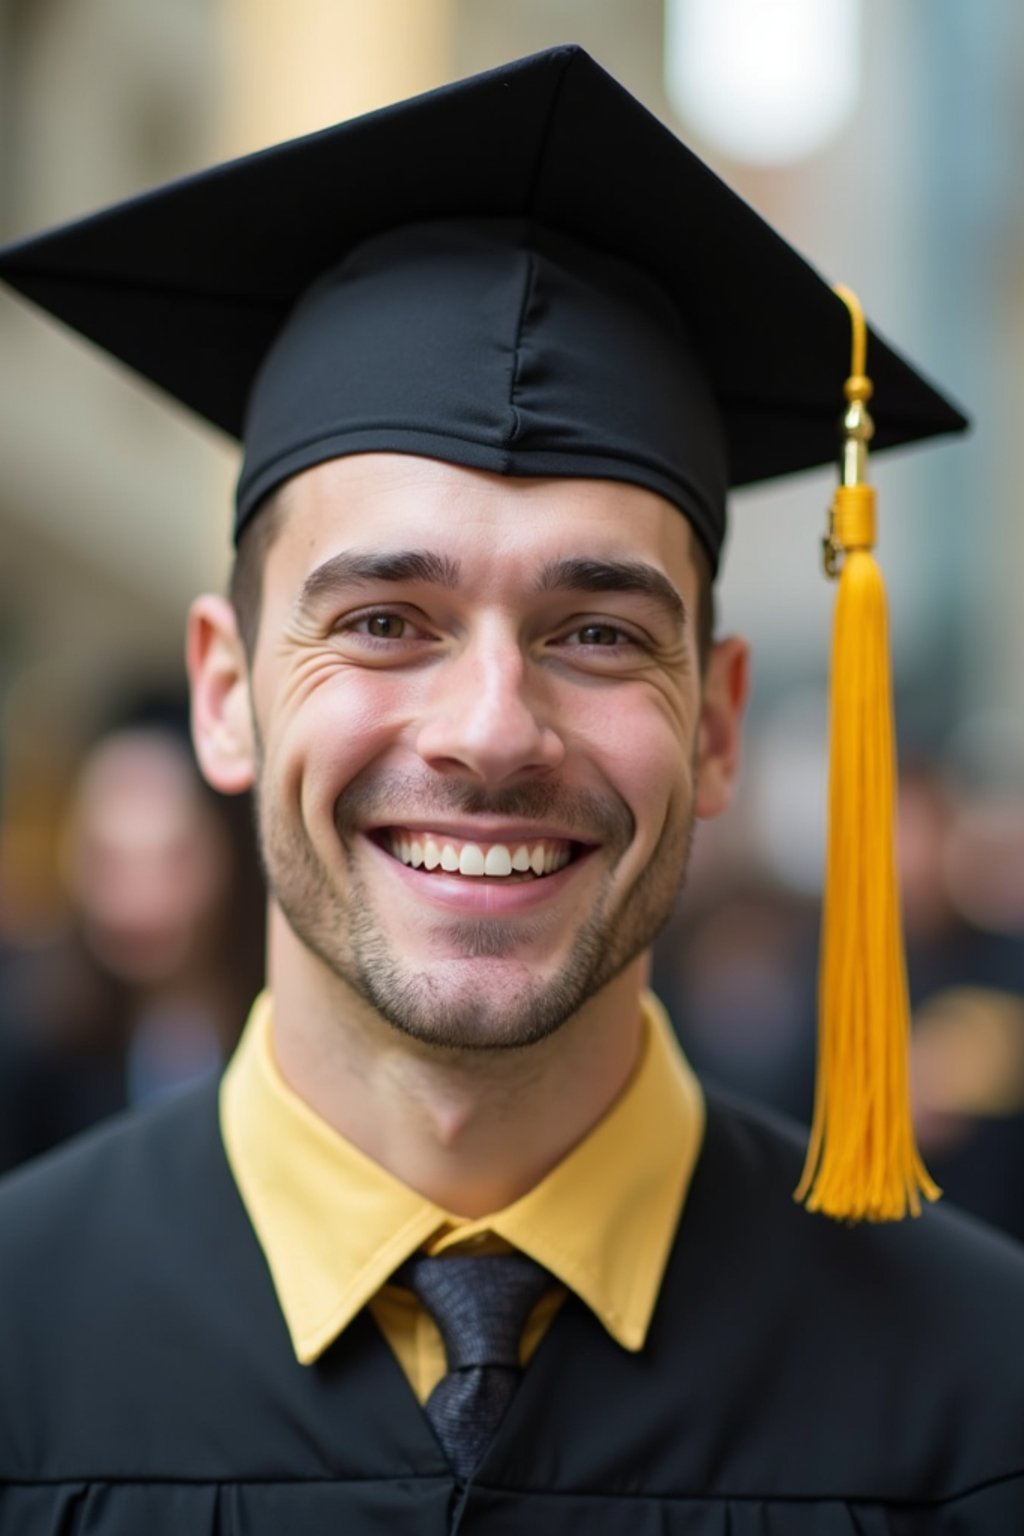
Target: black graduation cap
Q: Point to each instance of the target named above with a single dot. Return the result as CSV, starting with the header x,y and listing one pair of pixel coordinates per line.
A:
x,y
524,271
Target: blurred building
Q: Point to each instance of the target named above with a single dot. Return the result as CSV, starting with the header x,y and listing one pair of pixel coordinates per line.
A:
x,y
105,496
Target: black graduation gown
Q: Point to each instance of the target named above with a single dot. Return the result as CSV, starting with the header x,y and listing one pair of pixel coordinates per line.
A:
x,y
800,1379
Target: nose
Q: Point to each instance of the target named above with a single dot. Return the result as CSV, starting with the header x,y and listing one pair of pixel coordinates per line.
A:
x,y
489,716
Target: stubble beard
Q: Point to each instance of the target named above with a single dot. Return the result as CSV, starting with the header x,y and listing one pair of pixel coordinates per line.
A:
x,y
446,1006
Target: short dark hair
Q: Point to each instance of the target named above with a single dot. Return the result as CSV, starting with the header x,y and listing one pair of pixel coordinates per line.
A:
x,y
706,617
245,588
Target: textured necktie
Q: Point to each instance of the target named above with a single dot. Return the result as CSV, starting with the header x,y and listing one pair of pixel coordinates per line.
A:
x,y
480,1306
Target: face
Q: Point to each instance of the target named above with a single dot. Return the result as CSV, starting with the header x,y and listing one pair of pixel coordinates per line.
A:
x,y
146,862
480,737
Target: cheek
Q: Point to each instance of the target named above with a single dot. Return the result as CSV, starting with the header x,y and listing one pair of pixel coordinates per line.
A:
x,y
321,737
642,741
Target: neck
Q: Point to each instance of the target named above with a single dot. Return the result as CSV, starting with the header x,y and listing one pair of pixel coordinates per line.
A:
x,y
470,1130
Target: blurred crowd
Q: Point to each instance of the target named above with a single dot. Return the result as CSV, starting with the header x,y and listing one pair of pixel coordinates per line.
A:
x,y
145,982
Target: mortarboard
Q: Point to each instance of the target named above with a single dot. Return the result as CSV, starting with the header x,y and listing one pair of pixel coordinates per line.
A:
x,y
192,283
527,272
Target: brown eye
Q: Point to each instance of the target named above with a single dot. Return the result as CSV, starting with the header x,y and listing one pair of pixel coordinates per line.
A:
x,y
599,634
385,626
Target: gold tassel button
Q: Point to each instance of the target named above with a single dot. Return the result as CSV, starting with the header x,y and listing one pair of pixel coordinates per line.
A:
x,y
862,1160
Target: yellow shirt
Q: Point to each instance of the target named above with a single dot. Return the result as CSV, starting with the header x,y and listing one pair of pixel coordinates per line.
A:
x,y
334,1225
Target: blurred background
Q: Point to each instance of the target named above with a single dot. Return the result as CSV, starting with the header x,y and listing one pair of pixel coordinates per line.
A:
x,y
883,141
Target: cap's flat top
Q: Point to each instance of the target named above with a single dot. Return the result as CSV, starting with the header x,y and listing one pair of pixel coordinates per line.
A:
x,y
189,284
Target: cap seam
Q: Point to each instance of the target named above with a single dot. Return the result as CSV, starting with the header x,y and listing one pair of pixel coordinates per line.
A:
x,y
515,417
606,453
359,431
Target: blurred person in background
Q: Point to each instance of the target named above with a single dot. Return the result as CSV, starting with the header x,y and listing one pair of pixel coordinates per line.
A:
x,y
961,860
952,940
146,989
736,970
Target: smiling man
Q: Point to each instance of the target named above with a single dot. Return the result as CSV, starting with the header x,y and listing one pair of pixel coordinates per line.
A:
x,y
479,725
461,1243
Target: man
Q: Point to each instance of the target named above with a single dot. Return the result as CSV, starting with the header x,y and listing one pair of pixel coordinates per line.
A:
x,y
467,672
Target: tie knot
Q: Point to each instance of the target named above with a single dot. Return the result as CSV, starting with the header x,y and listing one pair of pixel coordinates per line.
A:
x,y
480,1304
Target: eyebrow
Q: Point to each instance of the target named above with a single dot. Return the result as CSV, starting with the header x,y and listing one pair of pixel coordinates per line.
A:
x,y
355,567
580,574
358,567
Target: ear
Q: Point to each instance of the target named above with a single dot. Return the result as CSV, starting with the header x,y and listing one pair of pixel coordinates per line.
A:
x,y
222,725
720,729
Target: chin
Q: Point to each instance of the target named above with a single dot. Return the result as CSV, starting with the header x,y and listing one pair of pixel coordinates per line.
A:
x,y
483,1003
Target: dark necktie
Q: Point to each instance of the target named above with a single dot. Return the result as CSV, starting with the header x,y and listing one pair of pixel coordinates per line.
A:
x,y
480,1306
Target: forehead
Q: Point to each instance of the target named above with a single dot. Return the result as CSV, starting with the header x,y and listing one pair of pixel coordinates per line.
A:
x,y
488,523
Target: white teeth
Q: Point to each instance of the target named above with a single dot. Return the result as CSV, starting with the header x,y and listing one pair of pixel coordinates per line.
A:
x,y
471,860
498,861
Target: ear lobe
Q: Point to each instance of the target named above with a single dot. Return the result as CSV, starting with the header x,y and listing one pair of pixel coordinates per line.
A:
x,y
720,731
222,727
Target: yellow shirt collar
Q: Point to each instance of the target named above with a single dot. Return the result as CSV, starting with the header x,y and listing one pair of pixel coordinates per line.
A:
x,y
334,1225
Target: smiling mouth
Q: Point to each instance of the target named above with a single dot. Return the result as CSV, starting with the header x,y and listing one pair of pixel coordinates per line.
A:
x,y
531,859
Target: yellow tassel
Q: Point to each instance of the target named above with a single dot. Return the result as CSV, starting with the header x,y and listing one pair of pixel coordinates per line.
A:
x,y
862,1160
